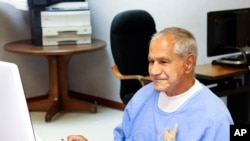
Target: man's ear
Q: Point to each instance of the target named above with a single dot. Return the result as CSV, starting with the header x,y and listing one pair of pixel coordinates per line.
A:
x,y
190,62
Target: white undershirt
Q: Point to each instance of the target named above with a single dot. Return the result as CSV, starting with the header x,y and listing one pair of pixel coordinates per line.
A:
x,y
172,103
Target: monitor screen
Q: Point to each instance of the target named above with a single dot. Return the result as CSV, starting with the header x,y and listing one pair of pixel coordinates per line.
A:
x,y
227,30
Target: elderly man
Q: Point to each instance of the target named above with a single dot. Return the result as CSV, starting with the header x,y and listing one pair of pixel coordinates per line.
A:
x,y
175,106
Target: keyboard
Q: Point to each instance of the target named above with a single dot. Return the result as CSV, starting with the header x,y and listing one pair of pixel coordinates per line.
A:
x,y
234,58
234,61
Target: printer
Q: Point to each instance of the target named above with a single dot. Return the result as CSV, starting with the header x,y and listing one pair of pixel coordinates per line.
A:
x,y
55,22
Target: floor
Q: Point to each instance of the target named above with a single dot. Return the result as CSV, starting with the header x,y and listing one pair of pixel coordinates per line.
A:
x,y
94,126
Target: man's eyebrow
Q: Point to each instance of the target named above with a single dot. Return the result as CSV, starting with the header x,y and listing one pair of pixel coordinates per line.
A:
x,y
160,58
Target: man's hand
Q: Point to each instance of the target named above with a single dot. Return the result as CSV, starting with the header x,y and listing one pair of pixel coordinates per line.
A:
x,y
76,138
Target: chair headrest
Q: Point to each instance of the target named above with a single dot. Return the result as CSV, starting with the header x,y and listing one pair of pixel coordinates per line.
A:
x,y
132,20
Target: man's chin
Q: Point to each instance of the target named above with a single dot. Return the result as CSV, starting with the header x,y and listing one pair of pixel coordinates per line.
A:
x,y
159,87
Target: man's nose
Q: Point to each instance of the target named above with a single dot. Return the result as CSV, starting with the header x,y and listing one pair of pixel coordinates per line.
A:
x,y
154,69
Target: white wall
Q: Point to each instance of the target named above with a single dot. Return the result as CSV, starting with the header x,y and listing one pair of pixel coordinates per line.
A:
x,y
90,73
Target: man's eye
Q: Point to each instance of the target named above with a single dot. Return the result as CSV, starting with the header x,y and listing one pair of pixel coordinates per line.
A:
x,y
164,62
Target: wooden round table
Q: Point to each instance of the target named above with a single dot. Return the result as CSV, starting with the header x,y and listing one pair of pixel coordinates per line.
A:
x,y
58,96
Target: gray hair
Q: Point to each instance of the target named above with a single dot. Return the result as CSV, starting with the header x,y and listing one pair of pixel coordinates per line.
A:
x,y
184,41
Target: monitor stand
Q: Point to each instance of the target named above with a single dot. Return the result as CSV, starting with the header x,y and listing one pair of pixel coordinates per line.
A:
x,y
242,60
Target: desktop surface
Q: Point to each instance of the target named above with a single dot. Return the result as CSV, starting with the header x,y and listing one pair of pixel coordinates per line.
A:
x,y
214,72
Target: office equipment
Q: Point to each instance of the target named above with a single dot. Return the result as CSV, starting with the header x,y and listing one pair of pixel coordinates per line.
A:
x,y
65,18
67,6
242,60
35,9
65,27
15,120
130,34
228,31
69,35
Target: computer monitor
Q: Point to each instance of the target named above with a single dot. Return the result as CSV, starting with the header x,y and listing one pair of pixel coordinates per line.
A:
x,y
15,119
227,30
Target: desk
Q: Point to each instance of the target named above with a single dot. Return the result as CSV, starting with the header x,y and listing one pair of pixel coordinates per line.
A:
x,y
228,83
215,72
210,74
58,96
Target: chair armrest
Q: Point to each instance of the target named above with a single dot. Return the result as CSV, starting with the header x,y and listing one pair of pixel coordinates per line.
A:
x,y
145,80
118,74
142,79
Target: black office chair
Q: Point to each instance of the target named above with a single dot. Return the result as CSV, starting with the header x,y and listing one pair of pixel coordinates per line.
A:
x,y
130,34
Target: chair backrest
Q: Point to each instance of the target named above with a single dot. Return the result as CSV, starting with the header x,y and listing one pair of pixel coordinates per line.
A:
x,y
130,34
15,121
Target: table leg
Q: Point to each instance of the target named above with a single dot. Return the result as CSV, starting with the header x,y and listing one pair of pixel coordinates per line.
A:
x,y
68,103
50,101
54,87
58,96
43,103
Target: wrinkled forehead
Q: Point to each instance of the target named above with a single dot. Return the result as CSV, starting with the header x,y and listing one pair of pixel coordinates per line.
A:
x,y
161,48
162,43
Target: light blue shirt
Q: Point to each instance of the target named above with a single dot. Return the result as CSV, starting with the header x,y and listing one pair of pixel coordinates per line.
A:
x,y
202,117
